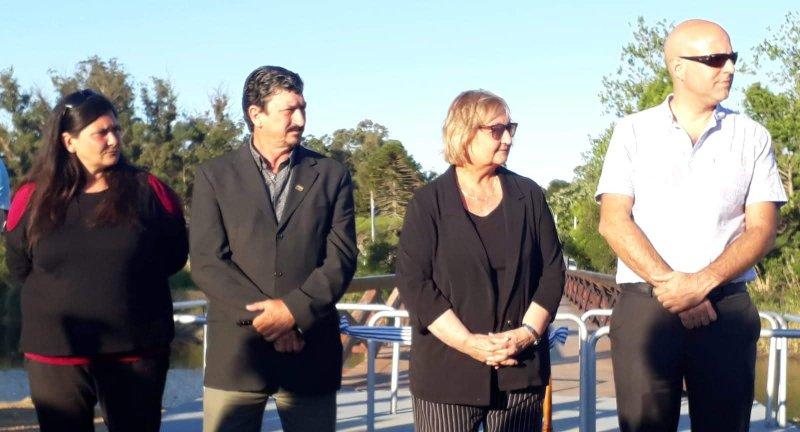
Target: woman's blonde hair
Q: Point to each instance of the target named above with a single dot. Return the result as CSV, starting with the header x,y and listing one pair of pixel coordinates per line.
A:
x,y
470,110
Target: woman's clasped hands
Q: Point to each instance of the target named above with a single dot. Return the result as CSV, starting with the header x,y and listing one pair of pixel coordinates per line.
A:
x,y
498,349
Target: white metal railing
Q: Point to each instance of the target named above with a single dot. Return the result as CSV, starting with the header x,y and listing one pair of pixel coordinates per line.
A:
x,y
583,333
193,320
777,367
397,315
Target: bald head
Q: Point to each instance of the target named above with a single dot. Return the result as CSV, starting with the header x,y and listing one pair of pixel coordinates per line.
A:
x,y
695,37
700,61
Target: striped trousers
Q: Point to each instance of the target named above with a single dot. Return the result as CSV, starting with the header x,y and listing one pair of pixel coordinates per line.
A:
x,y
512,412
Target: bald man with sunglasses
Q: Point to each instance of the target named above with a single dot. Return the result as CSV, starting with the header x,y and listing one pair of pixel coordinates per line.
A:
x,y
689,197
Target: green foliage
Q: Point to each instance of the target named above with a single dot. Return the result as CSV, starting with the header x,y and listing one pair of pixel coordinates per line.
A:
x,y
779,112
378,256
391,175
9,316
163,141
182,281
382,167
640,82
159,137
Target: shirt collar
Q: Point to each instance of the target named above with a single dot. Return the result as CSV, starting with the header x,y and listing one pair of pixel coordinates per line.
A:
x,y
719,111
264,164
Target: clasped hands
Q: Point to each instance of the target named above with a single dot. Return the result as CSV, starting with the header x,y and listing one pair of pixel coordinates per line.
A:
x,y
685,294
275,323
497,349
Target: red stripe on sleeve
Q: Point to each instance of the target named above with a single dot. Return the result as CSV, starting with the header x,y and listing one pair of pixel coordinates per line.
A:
x,y
166,196
19,204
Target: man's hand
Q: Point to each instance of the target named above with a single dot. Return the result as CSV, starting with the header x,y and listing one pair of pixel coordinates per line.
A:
x,y
698,316
290,342
274,320
678,291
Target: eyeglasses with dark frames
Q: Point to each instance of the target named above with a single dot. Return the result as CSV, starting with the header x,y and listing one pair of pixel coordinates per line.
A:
x,y
499,129
714,60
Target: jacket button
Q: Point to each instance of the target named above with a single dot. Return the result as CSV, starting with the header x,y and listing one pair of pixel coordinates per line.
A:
x,y
280,236
509,324
278,274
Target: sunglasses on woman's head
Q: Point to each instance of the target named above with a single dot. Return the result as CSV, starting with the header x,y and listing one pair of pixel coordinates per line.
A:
x,y
78,98
499,129
714,60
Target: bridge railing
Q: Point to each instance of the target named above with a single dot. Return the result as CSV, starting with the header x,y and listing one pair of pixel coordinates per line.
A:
x,y
589,290
595,295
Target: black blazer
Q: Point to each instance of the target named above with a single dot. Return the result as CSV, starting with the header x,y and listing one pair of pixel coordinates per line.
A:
x,y
442,265
241,254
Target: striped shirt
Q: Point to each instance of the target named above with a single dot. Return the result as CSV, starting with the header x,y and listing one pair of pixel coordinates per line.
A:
x,y
277,183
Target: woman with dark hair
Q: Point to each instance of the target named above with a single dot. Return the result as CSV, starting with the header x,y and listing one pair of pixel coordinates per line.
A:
x,y
93,240
480,269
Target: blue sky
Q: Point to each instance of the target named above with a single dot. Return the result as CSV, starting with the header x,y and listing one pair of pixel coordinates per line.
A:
x,y
397,63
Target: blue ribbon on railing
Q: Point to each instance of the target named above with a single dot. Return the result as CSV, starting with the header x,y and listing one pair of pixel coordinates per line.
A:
x,y
403,334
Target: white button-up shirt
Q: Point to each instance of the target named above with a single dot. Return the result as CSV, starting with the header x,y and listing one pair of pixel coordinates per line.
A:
x,y
689,200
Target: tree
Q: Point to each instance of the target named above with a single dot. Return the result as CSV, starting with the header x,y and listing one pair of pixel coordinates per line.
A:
x,y
640,82
28,111
779,111
203,137
391,174
109,78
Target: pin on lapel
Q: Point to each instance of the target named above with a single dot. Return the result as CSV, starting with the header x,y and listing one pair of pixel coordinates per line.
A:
x,y
298,188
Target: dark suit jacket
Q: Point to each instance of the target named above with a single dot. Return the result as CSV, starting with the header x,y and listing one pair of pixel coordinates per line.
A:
x,y
442,265
241,254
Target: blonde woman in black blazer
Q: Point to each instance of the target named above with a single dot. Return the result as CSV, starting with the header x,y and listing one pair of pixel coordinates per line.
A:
x,y
481,271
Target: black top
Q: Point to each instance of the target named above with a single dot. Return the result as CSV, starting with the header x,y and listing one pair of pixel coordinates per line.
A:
x,y
491,231
442,264
91,290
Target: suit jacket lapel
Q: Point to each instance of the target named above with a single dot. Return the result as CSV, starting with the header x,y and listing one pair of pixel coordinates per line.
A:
x,y
253,183
514,211
303,177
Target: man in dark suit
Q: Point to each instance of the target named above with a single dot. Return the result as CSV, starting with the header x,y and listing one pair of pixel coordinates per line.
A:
x,y
273,247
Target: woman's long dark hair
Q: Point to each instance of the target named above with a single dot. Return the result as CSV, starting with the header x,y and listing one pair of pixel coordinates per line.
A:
x,y
59,175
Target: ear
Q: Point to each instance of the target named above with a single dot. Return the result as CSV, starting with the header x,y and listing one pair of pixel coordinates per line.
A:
x,y
252,113
678,67
67,140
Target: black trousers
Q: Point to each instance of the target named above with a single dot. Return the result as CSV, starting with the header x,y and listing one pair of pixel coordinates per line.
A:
x,y
654,354
129,394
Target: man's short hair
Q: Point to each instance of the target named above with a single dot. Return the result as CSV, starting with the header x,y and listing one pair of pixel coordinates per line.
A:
x,y
470,109
264,82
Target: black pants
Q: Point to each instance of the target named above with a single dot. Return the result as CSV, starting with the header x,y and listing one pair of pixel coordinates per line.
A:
x,y
653,354
129,394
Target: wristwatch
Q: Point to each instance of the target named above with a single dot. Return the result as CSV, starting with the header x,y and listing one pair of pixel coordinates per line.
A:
x,y
533,332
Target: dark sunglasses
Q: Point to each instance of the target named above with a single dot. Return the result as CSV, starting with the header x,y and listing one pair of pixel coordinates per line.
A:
x,y
714,60
77,99
499,129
